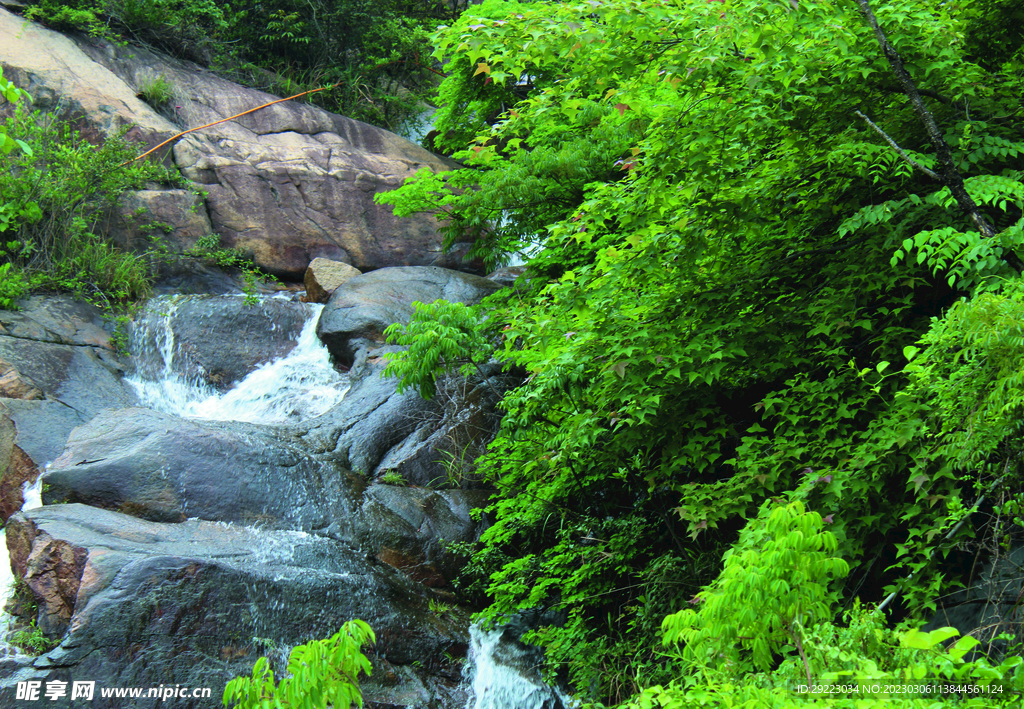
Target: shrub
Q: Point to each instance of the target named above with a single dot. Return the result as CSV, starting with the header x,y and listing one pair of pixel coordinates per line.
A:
x,y
319,672
52,199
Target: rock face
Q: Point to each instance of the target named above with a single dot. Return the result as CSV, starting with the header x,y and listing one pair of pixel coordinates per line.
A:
x,y
375,429
990,606
196,603
289,183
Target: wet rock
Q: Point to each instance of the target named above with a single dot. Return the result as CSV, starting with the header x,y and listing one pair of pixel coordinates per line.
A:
x,y
52,570
84,378
357,314
372,419
15,385
407,527
452,431
323,278
160,467
376,430
43,426
374,422
218,339
195,603
16,468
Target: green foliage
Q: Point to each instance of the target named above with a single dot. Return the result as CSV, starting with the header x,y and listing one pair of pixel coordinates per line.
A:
x,y
321,673
374,51
186,28
863,654
393,477
439,607
732,269
209,249
157,91
440,337
55,198
32,640
775,583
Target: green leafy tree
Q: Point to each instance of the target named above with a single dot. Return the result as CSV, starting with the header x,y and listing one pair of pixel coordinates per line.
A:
x,y
747,213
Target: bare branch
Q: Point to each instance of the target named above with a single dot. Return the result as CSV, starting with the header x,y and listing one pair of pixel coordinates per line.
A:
x,y
898,149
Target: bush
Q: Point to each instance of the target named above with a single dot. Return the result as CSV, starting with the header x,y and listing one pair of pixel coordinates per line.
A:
x,y
319,672
52,198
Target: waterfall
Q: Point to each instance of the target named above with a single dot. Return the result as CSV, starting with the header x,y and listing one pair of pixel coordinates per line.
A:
x,y
32,496
504,674
301,385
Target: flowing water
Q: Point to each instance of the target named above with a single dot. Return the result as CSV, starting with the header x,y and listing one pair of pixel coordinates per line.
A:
x,y
500,673
301,385
503,674
32,495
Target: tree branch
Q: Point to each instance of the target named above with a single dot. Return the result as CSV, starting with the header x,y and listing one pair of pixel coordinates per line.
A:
x,y
951,177
898,149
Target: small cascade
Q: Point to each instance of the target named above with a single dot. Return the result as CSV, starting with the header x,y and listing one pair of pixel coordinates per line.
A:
x,y
300,385
504,674
32,493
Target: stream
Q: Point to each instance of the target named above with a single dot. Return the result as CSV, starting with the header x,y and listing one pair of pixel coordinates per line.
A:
x,y
296,571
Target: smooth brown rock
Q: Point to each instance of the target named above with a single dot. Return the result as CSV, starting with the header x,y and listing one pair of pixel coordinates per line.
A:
x,y
52,570
323,277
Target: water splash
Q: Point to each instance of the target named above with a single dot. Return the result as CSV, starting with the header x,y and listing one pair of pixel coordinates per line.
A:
x,y
503,674
32,495
301,385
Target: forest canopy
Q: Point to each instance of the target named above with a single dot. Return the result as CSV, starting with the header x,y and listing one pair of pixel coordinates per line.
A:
x,y
769,333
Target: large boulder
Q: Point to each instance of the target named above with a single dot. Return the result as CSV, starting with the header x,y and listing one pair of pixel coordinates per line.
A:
x,y
216,339
287,183
163,468
357,314
376,429
58,369
86,379
145,604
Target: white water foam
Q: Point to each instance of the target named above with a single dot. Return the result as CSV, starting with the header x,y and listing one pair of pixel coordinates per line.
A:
x,y
32,495
301,385
502,675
